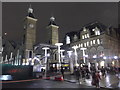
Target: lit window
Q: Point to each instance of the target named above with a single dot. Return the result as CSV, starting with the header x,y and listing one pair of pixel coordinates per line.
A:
x,y
81,45
98,41
84,29
84,44
97,31
87,43
82,36
67,40
87,35
75,37
93,29
93,41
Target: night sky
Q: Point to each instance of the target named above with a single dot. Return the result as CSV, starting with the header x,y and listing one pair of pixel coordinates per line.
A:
x,y
69,17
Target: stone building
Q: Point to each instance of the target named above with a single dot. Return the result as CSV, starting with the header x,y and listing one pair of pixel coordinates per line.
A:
x,y
101,44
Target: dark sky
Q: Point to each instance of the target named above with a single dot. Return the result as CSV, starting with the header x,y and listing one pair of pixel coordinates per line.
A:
x,y
69,16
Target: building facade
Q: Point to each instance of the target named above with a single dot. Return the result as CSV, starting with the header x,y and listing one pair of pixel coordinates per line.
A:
x,y
101,44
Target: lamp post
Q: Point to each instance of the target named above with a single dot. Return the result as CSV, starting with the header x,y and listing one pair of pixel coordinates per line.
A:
x,y
58,45
75,49
61,52
71,62
83,49
116,57
45,48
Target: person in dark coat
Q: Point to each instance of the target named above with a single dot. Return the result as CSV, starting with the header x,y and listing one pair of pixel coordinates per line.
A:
x,y
83,74
62,71
97,79
103,71
77,73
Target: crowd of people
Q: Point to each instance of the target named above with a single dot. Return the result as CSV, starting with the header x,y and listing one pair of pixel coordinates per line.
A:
x,y
83,73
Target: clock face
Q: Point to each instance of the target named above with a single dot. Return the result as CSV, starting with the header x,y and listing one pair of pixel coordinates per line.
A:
x,y
31,25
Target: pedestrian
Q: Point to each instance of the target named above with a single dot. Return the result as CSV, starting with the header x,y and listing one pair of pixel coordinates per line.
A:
x,y
97,79
103,71
93,79
83,74
87,73
77,73
62,71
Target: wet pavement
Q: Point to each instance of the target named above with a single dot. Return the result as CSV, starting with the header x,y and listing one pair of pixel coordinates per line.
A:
x,y
43,84
110,81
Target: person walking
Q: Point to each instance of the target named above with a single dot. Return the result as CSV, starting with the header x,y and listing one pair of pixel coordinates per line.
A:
x,y
97,79
103,71
83,74
77,73
93,78
62,71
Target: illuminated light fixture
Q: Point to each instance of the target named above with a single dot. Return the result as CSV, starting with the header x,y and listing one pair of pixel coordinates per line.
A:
x,y
77,65
102,63
83,49
48,54
75,51
104,57
115,57
86,55
45,49
58,45
95,56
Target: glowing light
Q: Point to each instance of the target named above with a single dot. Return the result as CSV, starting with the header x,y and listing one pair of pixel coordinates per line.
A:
x,y
95,56
115,57
104,57
102,63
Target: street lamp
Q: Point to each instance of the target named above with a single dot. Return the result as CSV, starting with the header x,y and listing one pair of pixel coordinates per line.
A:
x,y
45,48
71,62
116,57
83,49
58,45
61,52
75,49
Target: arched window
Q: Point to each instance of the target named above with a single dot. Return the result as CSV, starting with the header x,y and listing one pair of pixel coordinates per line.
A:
x,y
75,38
30,54
67,40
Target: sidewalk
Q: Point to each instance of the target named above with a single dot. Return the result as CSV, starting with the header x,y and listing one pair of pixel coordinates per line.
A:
x,y
110,81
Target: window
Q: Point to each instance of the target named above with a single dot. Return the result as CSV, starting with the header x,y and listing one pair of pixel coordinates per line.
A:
x,y
93,41
67,40
75,37
84,44
87,43
87,35
93,29
97,31
83,37
30,54
98,41
81,45
84,29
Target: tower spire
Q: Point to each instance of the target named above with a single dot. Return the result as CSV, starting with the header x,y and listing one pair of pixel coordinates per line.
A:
x,y
52,21
30,11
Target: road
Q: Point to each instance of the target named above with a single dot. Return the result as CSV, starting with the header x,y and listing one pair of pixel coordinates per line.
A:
x,y
43,84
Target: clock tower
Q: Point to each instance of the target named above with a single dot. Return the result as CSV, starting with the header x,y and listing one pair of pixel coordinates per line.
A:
x,y
29,36
53,36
